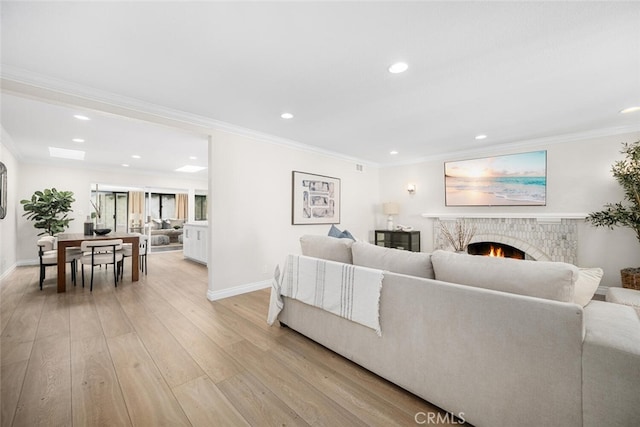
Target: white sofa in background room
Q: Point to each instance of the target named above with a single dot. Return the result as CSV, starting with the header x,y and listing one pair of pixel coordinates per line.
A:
x,y
172,229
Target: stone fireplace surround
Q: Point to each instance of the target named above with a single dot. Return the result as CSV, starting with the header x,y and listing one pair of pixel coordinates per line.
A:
x,y
542,238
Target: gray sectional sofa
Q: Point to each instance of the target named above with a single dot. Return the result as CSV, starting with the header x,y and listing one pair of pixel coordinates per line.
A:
x,y
497,342
165,232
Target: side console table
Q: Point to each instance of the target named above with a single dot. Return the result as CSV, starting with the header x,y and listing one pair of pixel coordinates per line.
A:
x,y
406,240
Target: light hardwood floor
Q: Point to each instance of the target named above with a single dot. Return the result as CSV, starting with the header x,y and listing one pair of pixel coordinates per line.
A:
x,y
157,352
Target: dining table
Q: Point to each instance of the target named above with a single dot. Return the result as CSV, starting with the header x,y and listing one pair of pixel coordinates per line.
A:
x,y
68,240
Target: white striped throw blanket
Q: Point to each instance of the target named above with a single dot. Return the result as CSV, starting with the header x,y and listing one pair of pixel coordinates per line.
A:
x,y
346,290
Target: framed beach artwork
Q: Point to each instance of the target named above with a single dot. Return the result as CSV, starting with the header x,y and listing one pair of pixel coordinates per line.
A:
x,y
315,199
510,180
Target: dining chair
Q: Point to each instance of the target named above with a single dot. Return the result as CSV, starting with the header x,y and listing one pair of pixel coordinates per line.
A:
x,y
98,252
127,251
48,257
144,249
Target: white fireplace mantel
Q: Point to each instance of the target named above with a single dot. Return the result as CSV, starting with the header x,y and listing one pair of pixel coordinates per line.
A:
x,y
541,217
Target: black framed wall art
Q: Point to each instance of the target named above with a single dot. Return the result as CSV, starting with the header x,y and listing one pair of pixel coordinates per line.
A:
x,y
315,199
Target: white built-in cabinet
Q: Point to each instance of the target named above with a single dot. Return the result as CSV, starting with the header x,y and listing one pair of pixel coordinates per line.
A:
x,y
195,241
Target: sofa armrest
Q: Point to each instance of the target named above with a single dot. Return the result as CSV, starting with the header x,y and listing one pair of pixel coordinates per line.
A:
x,y
611,365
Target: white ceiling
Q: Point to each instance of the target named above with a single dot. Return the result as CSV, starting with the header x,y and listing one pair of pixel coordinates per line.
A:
x,y
110,140
516,71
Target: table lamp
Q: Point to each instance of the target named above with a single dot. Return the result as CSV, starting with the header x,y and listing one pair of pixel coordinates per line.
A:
x,y
390,209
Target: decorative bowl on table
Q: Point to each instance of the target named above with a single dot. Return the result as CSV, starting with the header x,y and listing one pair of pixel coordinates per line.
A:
x,y
102,231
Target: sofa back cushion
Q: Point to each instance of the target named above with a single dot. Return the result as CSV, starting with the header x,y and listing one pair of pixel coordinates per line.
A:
x,y
541,279
394,260
326,247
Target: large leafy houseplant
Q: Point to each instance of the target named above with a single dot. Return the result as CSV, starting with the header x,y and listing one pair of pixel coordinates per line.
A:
x,y
49,209
627,213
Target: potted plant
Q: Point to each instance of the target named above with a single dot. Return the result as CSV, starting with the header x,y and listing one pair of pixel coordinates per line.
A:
x,y
49,209
627,213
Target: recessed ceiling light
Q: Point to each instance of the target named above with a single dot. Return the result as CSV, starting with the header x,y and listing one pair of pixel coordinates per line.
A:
x,y
630,110
193,158
481,136
286,116
135,156
393,152
78,140
64,153
124,165
81,117
398,67
190,168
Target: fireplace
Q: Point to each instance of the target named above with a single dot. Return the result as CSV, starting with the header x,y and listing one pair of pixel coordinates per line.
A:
x,y
495,249
541,239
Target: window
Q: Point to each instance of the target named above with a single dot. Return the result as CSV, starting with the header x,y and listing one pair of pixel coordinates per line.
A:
x,y
163,206
112,206
201,208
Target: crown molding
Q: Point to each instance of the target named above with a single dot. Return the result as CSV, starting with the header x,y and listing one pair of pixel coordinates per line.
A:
x,y
549,140
26,83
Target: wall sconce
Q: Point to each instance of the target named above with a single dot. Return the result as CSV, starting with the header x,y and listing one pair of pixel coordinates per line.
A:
x,y
411,188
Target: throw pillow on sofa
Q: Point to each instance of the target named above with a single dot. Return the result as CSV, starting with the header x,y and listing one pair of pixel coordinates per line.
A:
x,y
587,285
325,247
541,279
336,232
176,223
395,260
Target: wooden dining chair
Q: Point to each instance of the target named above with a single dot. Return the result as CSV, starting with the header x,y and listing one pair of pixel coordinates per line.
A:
x,y
98,252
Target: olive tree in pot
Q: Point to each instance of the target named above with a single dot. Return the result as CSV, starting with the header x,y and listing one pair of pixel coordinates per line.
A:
x,y
627,213
49,209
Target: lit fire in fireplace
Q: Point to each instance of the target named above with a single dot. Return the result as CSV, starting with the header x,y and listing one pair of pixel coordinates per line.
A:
x,y
495,249
496,252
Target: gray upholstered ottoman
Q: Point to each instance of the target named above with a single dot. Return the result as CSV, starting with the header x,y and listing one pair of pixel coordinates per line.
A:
x,y
159,240
624,296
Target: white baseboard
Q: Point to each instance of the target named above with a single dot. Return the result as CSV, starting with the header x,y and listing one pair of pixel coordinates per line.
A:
x,y
237,290
9,271
20,263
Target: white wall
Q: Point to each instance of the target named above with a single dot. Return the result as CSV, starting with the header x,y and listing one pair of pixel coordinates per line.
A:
x,y
250,200
8,225
34,177
251,229
579,180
